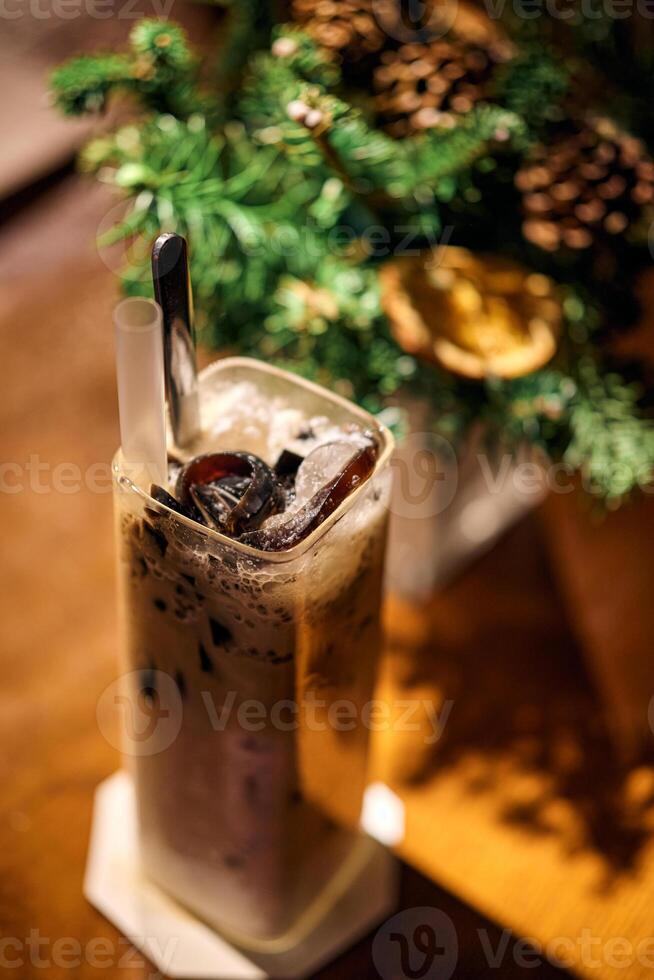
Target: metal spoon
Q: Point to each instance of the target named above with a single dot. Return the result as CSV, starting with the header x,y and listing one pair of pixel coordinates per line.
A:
x,y
172,290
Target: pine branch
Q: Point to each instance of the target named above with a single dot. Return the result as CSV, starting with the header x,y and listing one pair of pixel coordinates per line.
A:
x,y
530,409
160,71
533,86
612,443
412,172
333,330
298,80
585,416
84,84
247,28
249,218
274,77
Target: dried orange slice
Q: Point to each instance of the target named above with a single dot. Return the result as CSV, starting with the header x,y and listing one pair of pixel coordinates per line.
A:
x,y
477,316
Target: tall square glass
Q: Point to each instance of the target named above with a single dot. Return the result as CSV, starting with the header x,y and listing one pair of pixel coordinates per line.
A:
x,y
253,671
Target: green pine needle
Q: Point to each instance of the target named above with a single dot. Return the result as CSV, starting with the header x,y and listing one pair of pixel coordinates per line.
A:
x,y
83,84
611,443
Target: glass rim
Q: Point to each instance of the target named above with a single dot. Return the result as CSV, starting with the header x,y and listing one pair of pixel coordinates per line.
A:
x,y
122,480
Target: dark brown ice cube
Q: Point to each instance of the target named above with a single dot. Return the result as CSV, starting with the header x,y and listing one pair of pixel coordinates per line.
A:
x,y
234,492
323,503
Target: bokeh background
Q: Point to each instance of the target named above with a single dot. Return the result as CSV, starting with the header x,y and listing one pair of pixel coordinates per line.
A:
x,y
535,810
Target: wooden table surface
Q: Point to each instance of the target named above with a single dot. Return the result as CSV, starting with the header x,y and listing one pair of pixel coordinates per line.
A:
x,y
502,619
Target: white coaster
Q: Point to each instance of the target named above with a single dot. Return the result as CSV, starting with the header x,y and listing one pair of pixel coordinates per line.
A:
x,y
180,945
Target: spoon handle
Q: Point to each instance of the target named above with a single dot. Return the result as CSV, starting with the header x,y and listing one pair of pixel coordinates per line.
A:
x,y
172,290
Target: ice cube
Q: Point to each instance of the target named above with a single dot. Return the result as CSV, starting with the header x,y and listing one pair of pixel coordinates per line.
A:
x,y
311,513
321,466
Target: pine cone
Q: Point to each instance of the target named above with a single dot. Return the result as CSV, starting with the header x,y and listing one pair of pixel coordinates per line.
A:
x,y
346,26
425,85
587,185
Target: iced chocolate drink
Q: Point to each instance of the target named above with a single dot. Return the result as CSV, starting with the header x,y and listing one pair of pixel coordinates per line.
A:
x,y
252,583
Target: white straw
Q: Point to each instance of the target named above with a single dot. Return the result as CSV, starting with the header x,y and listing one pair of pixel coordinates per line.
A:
x,y
141,398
